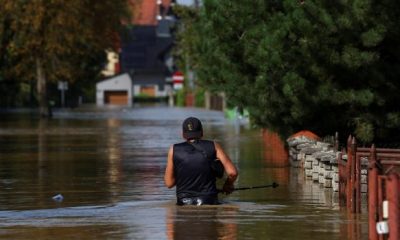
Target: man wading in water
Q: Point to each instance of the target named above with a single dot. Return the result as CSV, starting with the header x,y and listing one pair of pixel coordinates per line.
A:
x,y
189,167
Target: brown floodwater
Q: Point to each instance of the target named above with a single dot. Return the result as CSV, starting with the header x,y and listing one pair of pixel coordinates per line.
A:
x,y
108,165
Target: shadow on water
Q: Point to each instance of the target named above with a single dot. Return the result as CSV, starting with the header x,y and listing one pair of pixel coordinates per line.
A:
x,y
108,164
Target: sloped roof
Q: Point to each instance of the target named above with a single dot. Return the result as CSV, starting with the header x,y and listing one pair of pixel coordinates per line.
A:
x,y
116,82
147,51
149,76
148,46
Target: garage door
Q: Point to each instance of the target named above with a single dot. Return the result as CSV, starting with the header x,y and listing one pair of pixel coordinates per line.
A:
x,y
116,97
149,91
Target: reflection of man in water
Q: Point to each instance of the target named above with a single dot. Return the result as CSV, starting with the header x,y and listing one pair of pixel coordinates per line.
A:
x,y
188,167
207,222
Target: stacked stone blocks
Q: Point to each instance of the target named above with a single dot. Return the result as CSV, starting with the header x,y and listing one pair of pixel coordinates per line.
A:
x,y
320,162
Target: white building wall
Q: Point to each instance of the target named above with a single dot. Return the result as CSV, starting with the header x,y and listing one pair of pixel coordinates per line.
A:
x,y
119,83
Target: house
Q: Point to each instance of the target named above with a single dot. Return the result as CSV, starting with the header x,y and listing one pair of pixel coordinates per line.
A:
x,y
116,90
146,52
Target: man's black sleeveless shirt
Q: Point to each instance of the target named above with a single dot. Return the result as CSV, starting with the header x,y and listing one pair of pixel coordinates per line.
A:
x,y
193,175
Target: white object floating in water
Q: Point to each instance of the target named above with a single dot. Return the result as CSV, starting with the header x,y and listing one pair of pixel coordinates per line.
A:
x,y
58,198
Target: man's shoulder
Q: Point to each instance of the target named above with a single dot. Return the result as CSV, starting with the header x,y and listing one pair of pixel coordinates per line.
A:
x,y
202,141
180,144
208,144
207,141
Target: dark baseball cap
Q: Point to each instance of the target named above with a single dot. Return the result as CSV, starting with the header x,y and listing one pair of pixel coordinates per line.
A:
x,y
192,128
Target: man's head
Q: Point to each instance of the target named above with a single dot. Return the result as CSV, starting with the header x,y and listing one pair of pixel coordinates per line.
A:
x,y
192,128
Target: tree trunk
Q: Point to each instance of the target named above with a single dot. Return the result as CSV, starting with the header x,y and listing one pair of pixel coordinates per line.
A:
x,y
42,90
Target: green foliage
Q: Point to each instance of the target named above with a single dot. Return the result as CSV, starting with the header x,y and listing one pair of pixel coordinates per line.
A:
x,y
324,65
364,130
180,98
57,40
199,97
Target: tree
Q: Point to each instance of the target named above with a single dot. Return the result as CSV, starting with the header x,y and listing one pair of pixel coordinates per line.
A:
x,y
321,65
7,85
52,40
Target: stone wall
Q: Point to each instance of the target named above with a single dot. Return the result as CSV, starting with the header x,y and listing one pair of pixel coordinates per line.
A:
x,y
319,160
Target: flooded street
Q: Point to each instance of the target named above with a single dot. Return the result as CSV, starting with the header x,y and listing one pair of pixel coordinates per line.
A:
x,y
108,164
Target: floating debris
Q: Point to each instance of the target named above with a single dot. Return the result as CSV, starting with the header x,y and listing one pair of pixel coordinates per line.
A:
x,y
58,198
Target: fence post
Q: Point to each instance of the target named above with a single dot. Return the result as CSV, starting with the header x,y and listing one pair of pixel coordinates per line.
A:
x,y
336,146
353,179
357,180
372,194
392,193
348,171
342,179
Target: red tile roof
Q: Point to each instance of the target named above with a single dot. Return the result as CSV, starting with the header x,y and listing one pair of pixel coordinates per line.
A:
x,y
145,12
